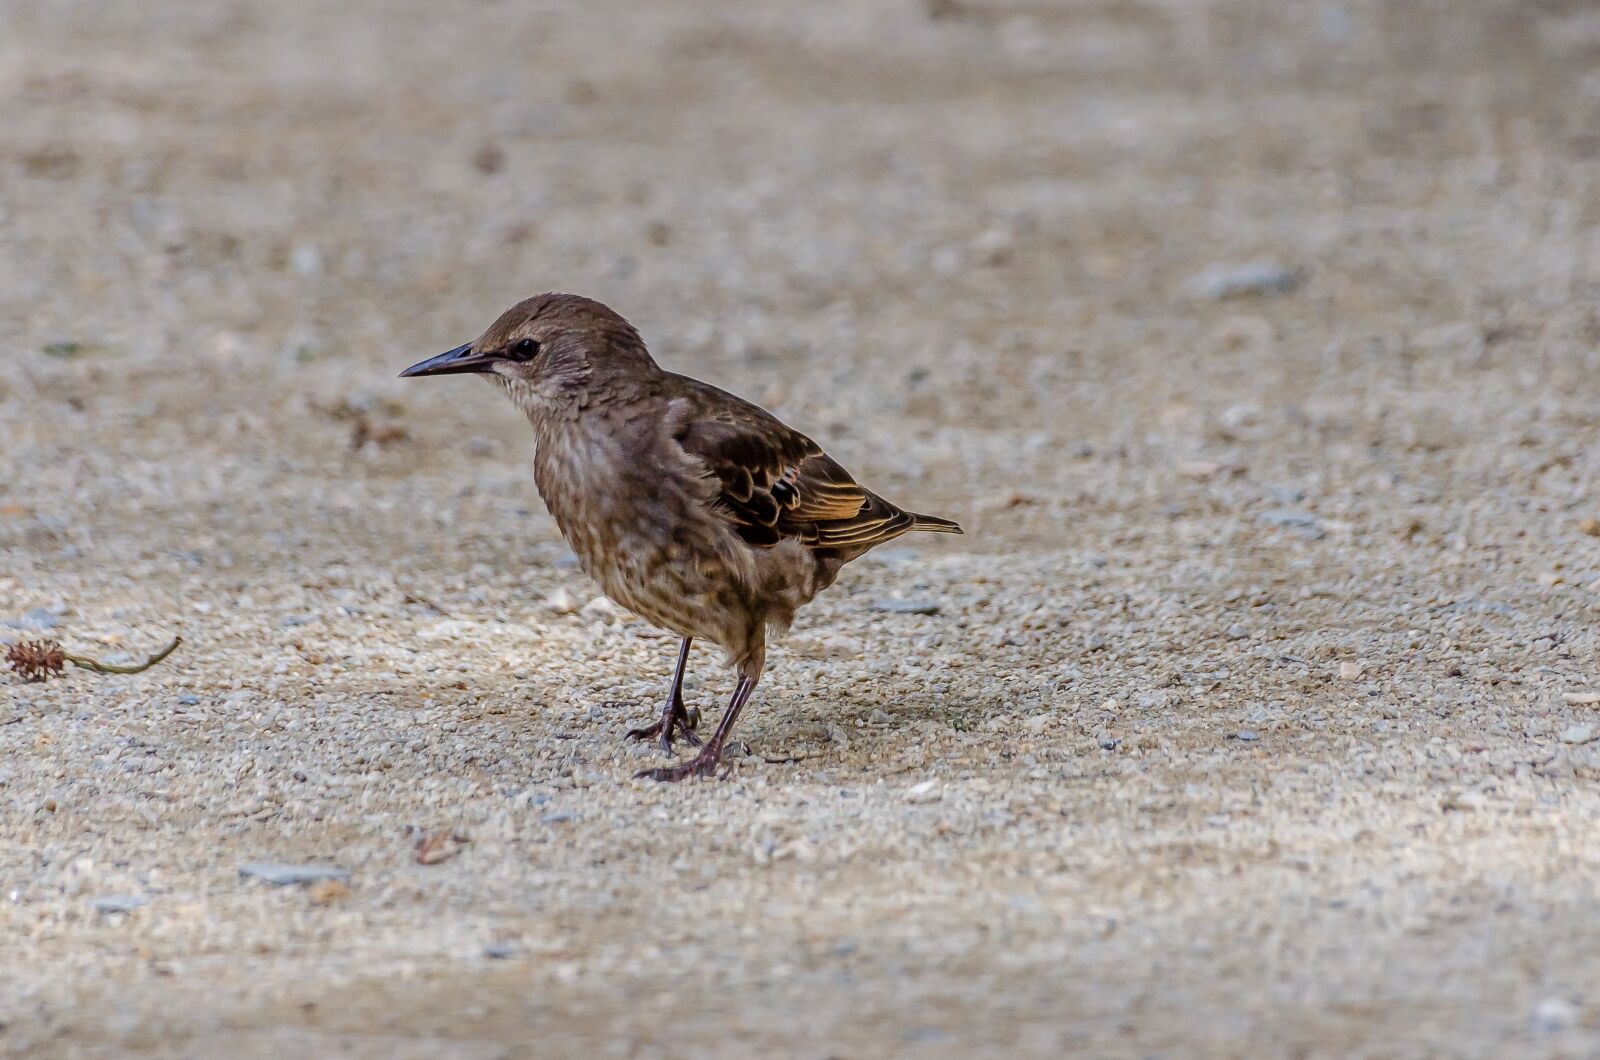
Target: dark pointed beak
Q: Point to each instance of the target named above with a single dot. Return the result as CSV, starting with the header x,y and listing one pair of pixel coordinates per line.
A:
x,y
460,359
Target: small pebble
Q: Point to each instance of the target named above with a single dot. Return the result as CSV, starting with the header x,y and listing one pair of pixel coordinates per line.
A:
x,y
280,874
878,717
499,951
562,602
118,903
438,847
1554,1014
557,817
306,260
37,618
602,608
1349,671
1288,517
1232,281
925,792
1246,736
1286,494
1237,632
1576,734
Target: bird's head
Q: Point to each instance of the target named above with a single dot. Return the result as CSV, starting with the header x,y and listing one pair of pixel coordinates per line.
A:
x,y
547,351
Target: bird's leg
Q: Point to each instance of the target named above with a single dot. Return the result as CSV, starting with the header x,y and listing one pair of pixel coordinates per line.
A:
x,y
705,763
676,719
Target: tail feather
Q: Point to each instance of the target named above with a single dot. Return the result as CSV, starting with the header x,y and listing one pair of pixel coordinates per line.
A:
x,y
934,524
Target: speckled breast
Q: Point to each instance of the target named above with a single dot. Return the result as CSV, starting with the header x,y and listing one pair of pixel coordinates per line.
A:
x,y
633,533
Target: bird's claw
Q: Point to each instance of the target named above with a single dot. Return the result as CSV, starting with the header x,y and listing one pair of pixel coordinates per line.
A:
x,y
684,720
703,764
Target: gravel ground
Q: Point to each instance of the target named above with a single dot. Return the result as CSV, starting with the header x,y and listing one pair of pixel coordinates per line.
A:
x,y
1255,344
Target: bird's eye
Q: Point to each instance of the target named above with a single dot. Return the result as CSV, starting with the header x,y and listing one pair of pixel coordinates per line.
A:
x,y
525,350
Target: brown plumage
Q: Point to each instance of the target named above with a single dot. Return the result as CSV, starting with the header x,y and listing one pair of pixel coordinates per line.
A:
x,y
693,508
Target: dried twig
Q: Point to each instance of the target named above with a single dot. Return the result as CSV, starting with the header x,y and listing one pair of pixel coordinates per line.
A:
x,y
136,668
422,601
40,660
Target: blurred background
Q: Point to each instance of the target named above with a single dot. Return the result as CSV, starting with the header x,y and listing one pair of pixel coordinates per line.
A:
x,y
1256,345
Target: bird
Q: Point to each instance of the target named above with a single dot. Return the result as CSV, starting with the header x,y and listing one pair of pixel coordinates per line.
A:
x,y
694,509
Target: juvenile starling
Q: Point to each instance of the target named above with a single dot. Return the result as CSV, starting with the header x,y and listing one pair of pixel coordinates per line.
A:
x,y
692,508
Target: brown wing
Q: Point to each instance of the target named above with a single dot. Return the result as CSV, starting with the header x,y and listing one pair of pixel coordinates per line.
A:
x,y
774,483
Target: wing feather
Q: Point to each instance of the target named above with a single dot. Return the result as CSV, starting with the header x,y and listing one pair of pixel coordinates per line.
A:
x,y
774,483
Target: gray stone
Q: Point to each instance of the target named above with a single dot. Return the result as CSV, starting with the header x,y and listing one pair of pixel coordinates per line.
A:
x,y
1287,495
1234,281
1288,517
118,903
36,618
1554,1014
280,874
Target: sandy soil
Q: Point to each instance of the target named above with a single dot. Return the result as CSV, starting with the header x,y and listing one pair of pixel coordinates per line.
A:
x,y
1255,715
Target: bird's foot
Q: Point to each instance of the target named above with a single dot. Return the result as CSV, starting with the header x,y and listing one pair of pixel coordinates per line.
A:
x,y
703,764
676,722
